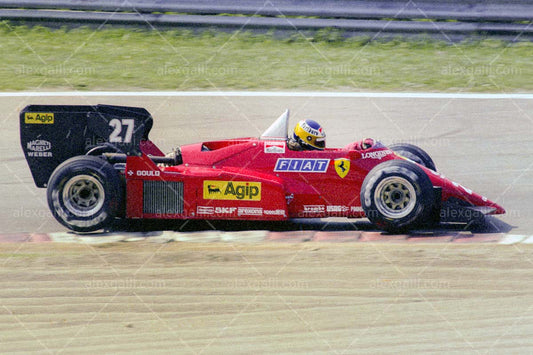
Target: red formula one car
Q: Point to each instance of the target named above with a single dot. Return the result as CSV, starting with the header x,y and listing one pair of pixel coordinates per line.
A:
x,y
98,165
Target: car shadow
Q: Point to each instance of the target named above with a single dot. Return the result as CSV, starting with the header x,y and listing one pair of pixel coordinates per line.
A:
x,y
488,224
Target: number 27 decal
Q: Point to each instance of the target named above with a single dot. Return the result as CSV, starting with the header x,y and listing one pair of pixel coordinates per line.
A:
x,y
116,135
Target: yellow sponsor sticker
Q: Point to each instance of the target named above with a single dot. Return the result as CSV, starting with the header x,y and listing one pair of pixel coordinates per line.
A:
x,y
232,190
39,117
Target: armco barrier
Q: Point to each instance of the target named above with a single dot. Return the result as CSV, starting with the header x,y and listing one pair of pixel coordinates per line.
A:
x,y
446,19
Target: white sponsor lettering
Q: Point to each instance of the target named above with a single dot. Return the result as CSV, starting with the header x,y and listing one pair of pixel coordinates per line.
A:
x,y
39,148
279,212
337,208
205,210
468,191
275,147
228,210
356,209
314,208
148,173
250,211
437,174
39,145
40,154
377,154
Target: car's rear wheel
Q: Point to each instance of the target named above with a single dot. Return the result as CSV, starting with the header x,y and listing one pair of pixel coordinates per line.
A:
x,y
414,153
85,193
397,196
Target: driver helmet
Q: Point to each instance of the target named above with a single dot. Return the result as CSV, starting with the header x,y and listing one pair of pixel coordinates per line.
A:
x,y
310,135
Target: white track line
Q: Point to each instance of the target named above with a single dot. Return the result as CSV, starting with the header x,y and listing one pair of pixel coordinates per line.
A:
x,y
512,239
400,95
528,240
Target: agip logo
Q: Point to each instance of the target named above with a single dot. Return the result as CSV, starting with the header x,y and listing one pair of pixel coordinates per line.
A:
x,y
39,118
232,190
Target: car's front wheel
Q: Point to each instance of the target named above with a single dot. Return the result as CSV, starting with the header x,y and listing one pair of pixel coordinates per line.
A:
x,y
397,196
414,153
85,193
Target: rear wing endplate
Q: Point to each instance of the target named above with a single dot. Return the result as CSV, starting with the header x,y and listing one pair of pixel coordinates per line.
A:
x,y
51,134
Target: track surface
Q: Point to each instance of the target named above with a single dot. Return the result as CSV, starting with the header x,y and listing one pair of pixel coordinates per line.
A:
x,y
282,297
266,298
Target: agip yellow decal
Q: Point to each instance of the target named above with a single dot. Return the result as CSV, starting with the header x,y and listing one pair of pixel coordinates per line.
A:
x,y
39,118
232,190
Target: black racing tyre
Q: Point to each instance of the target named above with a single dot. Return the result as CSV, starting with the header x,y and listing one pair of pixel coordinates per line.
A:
x,y
103,148
397,196
85,193
414,153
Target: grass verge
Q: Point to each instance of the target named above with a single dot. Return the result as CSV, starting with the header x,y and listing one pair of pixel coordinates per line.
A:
x,y
124,59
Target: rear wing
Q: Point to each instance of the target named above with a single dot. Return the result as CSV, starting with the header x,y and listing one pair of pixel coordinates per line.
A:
x,y
51,134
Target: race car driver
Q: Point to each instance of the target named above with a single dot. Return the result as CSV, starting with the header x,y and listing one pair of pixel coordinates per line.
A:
x,y
307,135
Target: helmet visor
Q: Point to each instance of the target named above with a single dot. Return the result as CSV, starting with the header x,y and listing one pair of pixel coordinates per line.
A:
x,y
320,143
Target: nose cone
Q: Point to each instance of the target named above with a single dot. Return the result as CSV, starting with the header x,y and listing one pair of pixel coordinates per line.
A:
x,y
497,208
451,189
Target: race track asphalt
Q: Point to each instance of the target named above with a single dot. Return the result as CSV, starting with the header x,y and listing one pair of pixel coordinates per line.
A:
x,y
485,144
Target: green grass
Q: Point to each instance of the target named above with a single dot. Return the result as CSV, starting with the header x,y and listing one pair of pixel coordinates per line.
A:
x,y
123,59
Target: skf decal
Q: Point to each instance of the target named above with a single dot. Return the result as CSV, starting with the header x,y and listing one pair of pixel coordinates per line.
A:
x,y
232,190
275,147
39,118
342,167
302,165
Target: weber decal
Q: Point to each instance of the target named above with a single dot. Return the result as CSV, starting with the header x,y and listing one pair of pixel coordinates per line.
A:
x,y
232,190
39,148
302,165
39,118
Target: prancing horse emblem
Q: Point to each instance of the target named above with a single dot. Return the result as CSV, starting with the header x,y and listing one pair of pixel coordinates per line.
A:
x,y
342,167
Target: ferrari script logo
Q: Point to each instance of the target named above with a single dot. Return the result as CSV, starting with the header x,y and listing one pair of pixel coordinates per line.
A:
x,y
342,167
